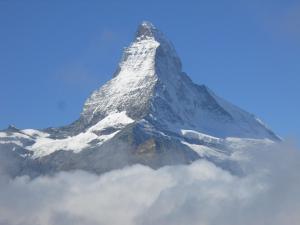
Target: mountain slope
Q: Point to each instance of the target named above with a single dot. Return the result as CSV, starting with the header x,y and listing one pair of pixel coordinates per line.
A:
x,y
150,112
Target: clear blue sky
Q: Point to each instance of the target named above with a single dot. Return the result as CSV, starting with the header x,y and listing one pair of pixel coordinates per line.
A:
x,y
54,53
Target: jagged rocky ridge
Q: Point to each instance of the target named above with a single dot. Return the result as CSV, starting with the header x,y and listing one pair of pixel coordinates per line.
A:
x,y
150,112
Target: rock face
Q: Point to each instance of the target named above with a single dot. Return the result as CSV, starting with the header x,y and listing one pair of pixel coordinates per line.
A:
x,y
150,112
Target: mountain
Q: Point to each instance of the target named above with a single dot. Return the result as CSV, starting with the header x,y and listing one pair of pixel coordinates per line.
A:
x,y
150,112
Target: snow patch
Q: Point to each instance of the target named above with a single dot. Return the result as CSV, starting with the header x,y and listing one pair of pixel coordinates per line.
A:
x,y
116,120
204,151
35,133
191,134
45,146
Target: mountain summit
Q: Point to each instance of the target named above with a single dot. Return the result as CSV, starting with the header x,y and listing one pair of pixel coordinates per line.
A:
x,y
149,62
147,30
150,112
150,84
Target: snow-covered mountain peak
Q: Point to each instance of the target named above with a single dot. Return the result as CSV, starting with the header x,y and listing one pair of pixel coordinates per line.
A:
x,y
147,30
150,84
150,112
149,46
150,59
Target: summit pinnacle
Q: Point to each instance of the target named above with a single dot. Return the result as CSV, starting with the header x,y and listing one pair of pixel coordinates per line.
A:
x,y
146,29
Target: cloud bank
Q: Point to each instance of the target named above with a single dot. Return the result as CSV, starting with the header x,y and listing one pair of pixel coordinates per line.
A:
x,y
197,194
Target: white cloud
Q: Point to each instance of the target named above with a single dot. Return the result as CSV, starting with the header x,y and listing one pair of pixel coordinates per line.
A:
x,y
200,193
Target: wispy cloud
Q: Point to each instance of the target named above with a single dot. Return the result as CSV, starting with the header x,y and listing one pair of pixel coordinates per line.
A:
x,y
290,21
108,36
76,76
280,20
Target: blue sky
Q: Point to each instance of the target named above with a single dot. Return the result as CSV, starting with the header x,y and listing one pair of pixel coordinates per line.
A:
x,y
53,54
